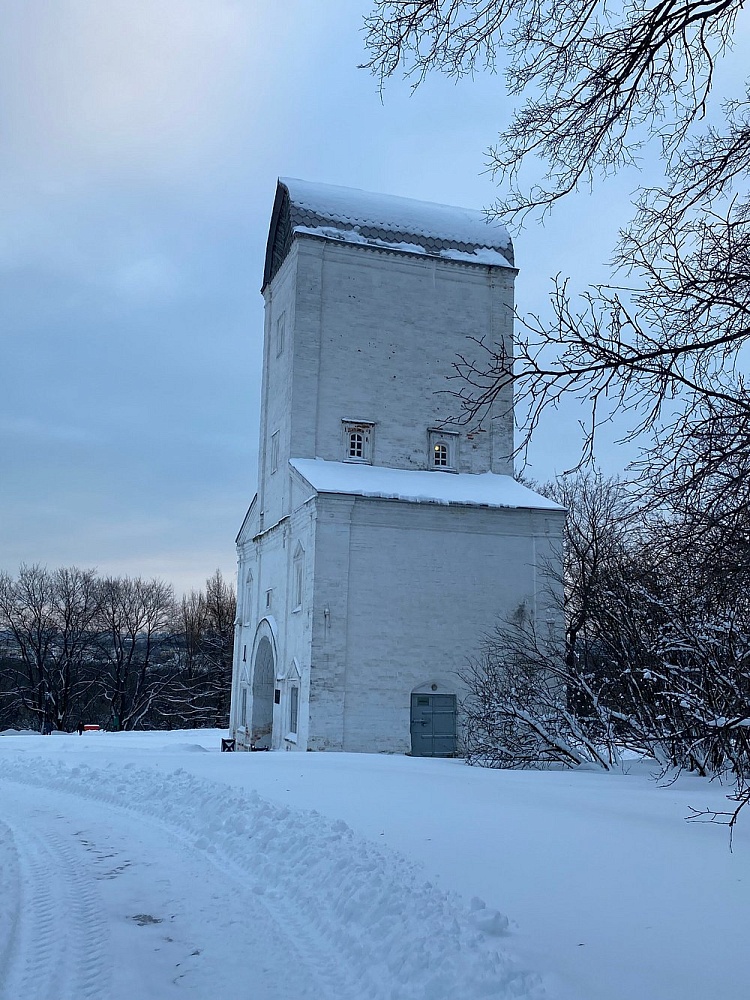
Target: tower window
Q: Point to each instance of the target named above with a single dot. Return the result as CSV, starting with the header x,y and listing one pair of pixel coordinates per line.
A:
x,y
440,454
357,441
274,451
280,331
443,450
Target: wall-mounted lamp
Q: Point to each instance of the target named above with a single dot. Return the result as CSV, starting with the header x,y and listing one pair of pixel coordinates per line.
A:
x,y
327,615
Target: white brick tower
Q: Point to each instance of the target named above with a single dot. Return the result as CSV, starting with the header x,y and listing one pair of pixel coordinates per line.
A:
x,y
384,538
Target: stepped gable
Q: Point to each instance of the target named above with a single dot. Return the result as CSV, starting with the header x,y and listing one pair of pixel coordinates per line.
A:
x,y
384,221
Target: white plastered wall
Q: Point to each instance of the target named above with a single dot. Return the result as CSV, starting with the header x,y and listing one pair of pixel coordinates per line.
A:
x,y
376,335
410,590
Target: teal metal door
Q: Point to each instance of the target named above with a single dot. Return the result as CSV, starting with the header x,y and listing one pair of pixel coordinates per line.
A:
x,y
433,725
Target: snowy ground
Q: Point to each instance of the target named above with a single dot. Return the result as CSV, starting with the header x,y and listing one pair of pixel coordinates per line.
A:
x,y
144,866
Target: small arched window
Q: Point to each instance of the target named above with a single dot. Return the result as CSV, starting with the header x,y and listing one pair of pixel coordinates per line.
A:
x,y
293,709
443,454
357,440
280,329
247,599
298,579
293,679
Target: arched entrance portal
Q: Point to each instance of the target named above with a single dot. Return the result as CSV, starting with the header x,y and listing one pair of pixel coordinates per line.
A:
x,y
261,723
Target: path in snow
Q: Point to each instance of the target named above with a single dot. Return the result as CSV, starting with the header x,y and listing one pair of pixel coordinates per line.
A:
x,y
42,959
102,902
131,883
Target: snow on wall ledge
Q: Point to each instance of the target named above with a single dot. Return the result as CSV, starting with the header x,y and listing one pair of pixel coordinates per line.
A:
x,y
353,207
486,489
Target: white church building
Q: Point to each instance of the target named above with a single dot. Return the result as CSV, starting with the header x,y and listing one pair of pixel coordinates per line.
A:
x,y
384,540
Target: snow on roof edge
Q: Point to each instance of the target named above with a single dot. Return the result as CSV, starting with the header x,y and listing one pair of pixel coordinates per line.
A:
x,y
486,256
486,489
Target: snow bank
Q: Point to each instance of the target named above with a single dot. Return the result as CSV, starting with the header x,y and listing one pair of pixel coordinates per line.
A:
x,y
403,938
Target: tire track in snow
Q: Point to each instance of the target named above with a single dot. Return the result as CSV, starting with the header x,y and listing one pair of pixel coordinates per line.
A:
x,y
10,908
361,922
52,964
318,953
286,932
88,933
59,946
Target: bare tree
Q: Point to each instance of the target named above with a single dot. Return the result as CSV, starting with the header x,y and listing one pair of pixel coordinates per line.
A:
x,y
137,630
656,658
597,529
221,610
598,79
575,698
665,343
52,619
208,619
525,704
117,650
193,619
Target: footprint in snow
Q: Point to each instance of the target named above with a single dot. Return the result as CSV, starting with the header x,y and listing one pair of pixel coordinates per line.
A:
x,y
143,919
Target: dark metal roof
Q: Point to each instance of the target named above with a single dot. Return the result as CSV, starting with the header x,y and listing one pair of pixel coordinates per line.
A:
x,y
384,221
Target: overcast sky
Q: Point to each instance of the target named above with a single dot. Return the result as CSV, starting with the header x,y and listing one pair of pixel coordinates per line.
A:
x,y
140,142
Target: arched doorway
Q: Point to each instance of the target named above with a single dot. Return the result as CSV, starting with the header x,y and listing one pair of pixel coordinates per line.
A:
x,y
261,722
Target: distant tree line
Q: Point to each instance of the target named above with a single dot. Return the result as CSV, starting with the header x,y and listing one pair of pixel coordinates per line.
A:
x,y
122,652
655,654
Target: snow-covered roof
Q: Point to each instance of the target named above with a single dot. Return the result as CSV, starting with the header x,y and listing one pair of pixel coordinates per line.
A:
x,y
385,221
419,486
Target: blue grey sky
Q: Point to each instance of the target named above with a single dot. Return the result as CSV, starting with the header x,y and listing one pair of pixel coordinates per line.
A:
x,y
140,142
